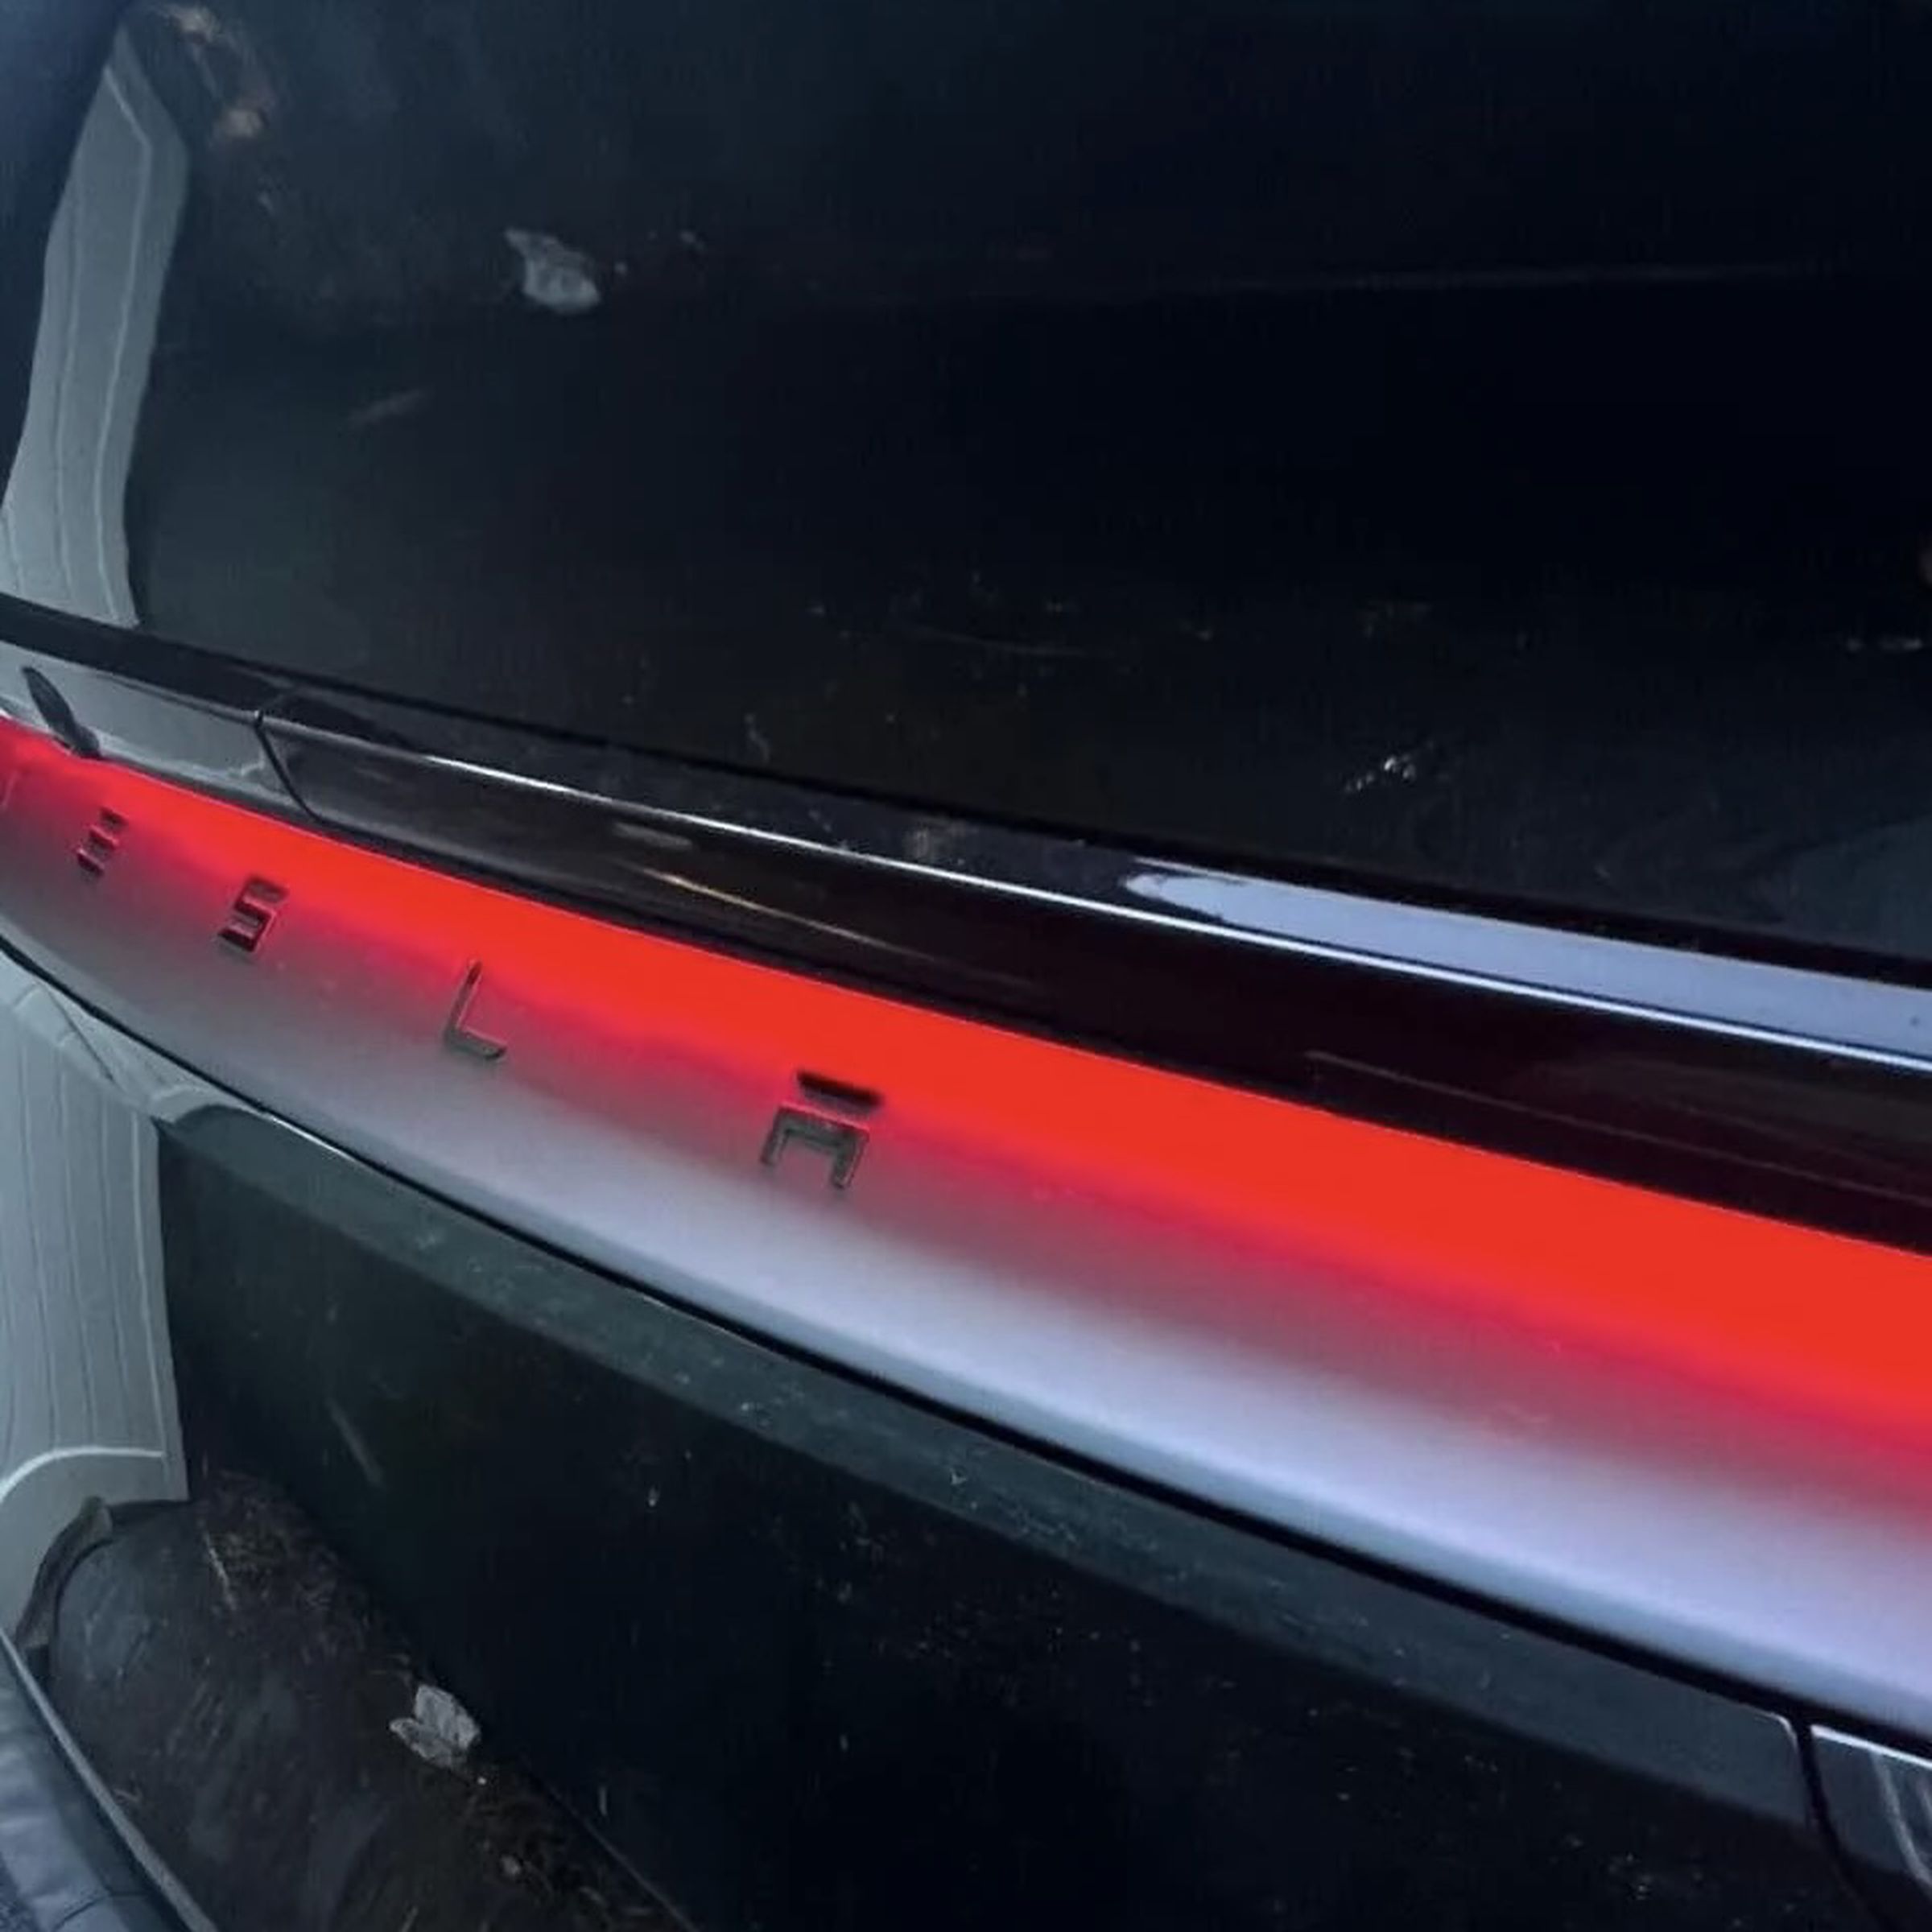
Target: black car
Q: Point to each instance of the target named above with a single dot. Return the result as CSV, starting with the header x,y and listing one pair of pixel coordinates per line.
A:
x,y
966,965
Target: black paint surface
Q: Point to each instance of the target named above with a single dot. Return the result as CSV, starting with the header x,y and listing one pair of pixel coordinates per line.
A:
x,y
1607,600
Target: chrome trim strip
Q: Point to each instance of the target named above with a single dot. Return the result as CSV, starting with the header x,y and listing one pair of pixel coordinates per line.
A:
x,y
1738,998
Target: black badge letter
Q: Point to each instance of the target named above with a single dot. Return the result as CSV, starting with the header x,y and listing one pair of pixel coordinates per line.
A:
x,y
457,1034
252,913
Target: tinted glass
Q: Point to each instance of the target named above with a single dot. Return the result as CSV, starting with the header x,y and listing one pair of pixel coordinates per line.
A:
x,y
1478,447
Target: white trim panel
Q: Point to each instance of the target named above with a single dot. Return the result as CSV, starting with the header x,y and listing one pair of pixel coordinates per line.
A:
x,y
87,1395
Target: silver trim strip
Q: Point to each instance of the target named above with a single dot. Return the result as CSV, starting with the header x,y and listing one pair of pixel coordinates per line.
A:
x,y
1884,1025
1878,1022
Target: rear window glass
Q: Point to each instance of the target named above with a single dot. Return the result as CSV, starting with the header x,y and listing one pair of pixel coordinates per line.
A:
x,y
1475,452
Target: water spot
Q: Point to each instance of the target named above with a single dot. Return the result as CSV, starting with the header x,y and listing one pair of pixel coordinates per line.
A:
x,y
244,121
388,409
193,22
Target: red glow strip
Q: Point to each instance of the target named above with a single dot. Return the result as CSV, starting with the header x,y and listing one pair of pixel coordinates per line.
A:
x,y
1801,1316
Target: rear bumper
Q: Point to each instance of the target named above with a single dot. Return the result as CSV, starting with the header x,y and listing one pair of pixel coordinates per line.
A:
x,y
809,1652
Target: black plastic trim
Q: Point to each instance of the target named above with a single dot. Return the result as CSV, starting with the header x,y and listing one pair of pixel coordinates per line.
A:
x,y
1878,1805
